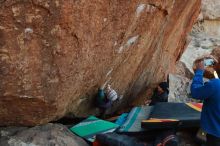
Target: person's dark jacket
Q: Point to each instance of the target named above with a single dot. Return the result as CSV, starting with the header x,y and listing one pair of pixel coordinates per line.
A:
x,y
157,97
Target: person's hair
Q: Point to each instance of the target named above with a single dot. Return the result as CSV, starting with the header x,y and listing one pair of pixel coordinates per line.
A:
x,y
164,86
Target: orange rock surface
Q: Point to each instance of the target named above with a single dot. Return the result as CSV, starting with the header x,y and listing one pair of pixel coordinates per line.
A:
x,y
54,54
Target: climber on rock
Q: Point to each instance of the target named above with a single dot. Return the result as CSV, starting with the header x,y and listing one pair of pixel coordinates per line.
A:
x,y
210,94
105,98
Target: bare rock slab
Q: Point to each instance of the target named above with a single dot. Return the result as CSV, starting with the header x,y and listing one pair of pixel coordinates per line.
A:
x,y
46,135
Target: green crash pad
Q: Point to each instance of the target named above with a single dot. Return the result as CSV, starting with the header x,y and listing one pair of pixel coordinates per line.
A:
x,y
92,126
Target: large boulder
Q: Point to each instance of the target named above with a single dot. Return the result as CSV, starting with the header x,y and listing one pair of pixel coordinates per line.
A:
x,y
54,54
46,135
209,20
210,9
201,44
179,88
204,37
204,41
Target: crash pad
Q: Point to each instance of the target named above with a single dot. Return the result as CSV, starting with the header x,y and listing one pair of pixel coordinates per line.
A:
x,y
92,126
134,118
114,139
122,119
173,115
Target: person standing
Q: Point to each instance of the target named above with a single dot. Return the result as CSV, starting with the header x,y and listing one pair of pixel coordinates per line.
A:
x,y
209,93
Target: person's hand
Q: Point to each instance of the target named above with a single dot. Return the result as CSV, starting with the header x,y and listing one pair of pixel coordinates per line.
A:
x,y
199,64
147,102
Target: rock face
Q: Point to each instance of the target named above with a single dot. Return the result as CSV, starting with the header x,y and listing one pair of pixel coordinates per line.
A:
x,y
210,9
204,36
201,44
46,135
179,87
204,40
211,17
55,54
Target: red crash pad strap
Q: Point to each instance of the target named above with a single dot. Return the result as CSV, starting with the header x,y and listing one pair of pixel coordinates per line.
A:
x,y
96,143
